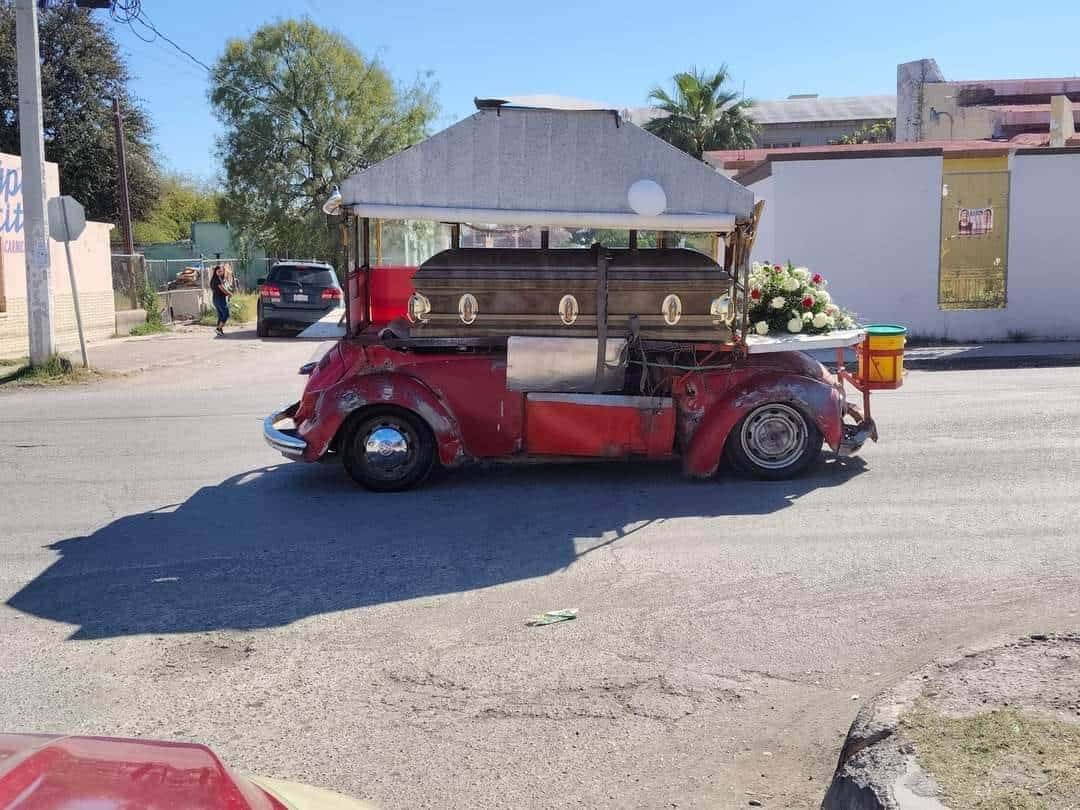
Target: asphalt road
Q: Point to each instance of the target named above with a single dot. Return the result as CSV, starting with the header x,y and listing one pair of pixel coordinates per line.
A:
x,y
166,575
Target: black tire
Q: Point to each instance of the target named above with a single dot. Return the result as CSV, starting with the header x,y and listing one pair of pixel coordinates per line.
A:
x,y
396,460
261,329
774,442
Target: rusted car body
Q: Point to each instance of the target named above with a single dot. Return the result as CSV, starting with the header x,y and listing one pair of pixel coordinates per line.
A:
x,y
464,401
545,354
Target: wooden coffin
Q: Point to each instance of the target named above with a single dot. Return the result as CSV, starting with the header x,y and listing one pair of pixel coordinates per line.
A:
x,y
675,293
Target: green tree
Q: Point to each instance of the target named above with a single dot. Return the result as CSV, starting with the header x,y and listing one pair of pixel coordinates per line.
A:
x,y
183,200
81,73
303,109
701,114
877,132
608,237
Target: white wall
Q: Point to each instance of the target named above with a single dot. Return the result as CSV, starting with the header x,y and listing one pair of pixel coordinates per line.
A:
x,y
1044,266
872,227
869,225
765,241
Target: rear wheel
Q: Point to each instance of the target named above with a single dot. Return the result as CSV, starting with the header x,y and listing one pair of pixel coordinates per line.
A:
x,y
774,442
261,328
388,450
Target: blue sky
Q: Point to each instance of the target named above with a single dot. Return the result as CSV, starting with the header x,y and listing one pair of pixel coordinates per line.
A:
x,y
605,50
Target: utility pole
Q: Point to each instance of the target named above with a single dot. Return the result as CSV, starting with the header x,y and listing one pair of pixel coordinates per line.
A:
x,y
39,292
122,178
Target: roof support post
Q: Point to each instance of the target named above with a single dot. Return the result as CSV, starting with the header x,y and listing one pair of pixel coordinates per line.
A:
x,y
348,248
602,259
363,273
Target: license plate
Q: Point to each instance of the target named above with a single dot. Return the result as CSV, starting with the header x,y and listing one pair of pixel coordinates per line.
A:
x,y
299,297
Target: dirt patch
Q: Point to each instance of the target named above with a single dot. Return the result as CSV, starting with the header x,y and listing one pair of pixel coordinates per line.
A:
x,y
1039,674
1000,730
996,729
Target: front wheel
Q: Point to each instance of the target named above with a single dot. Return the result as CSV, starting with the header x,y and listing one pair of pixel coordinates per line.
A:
x,y
388,450
774,442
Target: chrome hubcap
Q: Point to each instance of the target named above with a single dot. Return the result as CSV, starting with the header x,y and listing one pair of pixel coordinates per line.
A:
x,y
774,436
386,449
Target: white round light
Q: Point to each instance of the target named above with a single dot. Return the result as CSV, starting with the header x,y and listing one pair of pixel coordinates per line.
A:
x,y
647,198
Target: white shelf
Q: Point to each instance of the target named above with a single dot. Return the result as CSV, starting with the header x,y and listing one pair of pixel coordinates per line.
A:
x,y
836,339
329,327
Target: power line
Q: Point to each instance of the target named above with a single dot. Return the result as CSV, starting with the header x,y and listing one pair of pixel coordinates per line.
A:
x,y
130,12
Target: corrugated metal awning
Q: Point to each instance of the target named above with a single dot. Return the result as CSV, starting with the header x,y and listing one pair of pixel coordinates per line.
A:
x,y
547,167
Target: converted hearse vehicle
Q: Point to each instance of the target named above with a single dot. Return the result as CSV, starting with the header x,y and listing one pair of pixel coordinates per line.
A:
x,y
544,353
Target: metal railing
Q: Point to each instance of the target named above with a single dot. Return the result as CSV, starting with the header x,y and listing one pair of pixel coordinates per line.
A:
x,y
972,289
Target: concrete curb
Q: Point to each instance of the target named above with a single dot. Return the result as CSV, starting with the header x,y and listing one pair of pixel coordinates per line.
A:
x,y
986,357
877,768
1002,362
876,758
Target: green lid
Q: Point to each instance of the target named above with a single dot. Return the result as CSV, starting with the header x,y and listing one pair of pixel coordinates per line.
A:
x,y
883,329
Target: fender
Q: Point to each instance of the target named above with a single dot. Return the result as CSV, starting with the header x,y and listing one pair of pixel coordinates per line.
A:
x,y
357,391
716,416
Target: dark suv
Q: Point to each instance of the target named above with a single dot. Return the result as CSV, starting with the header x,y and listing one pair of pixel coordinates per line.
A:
x,y
296,295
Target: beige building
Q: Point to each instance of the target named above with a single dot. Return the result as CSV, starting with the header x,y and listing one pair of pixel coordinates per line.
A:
x,y
90,255
1026,112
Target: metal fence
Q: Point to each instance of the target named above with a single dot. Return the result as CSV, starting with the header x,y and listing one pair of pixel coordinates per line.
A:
x,y
128,280
171,274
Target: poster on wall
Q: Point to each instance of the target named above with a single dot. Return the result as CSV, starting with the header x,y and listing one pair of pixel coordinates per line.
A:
x,y
975,221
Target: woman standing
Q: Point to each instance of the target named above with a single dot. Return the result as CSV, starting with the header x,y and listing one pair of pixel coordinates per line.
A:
x,y
220,287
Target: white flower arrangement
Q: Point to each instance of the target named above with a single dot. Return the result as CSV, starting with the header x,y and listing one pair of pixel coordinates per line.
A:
x,y
792,299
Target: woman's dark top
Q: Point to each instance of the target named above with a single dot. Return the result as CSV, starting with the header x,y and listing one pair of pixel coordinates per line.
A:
x,y
217,286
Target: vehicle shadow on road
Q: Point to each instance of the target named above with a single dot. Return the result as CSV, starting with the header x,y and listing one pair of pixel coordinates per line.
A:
x,y
282,543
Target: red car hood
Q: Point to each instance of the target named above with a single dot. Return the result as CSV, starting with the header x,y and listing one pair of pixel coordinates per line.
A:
x,y
50,772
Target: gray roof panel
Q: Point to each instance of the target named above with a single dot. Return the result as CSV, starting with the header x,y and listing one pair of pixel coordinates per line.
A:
x,y
536,160
802,110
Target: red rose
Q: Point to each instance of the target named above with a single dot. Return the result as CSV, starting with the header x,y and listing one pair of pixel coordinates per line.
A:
x,y
755,293
818,278
777,268
808,302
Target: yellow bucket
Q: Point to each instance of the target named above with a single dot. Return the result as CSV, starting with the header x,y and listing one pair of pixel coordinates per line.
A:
x,y
881,358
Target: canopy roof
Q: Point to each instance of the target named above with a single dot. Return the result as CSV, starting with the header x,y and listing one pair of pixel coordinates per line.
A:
x,y
548,167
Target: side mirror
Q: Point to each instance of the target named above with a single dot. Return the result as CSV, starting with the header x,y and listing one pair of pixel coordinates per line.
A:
x,y
260,281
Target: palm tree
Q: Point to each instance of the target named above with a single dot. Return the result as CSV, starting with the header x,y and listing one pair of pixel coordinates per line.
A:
x,y
701,114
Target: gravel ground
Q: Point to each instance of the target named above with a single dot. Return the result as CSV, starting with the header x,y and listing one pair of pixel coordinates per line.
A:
x,y
167,575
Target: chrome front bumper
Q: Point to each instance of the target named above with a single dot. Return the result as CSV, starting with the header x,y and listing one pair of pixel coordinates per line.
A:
x,y
285,442
855,437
